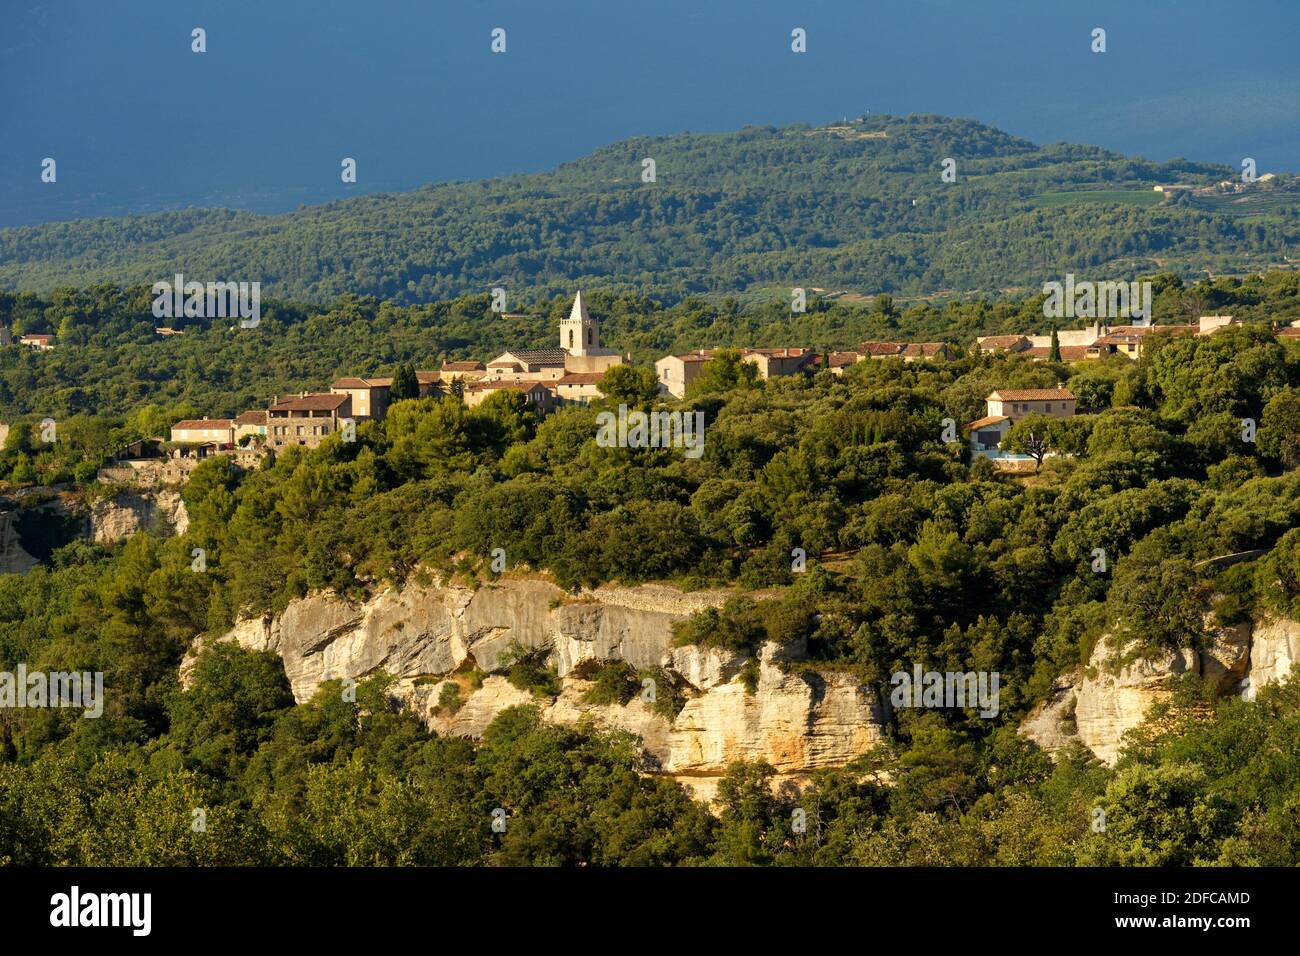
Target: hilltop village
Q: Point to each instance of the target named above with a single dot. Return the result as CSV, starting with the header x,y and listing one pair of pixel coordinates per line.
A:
x,y
571,373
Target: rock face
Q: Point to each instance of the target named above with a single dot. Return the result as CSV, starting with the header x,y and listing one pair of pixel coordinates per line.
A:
x,y
568,708
105,521
149,474
13,559
1051,724
114,519
422,630
430,636
1275,646
795,721
1109,704
705,667
1097,705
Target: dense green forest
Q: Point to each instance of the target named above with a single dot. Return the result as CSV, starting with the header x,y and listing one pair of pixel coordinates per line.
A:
x,y
862,210
918,555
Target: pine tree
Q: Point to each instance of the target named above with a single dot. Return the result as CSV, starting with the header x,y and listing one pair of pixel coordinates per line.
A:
x,y
404,384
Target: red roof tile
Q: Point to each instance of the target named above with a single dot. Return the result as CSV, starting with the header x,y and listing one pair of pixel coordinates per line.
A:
x,y
988,420
310,403
192,424
1032,395
580,378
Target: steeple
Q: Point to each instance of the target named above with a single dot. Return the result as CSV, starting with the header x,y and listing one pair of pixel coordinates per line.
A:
x,y
579,311
579,333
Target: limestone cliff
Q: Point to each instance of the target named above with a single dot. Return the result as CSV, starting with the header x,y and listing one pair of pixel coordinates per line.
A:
x,y
797,718
66,518
1098,704
1275,647
1109,703
117,518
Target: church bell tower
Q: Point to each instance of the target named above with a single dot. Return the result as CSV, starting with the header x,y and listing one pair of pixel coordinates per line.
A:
x,y
579,333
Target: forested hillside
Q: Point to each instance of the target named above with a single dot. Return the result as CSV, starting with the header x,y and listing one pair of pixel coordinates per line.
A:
x,y
862,209
917,555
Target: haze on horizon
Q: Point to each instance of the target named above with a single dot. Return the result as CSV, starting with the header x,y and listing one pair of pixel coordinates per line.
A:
x,y
137,122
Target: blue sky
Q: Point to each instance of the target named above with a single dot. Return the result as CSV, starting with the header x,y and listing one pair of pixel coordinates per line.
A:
x,y
410,89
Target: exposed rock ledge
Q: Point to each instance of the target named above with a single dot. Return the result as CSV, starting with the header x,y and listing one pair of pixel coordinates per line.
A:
x,y
1097,705
117,518
797,721
105,521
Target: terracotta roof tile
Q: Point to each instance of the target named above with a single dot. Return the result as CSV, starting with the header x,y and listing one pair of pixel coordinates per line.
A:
x,y
310,403
924,349
535,356
1069,353
192,424
580,378
882,348
1001,341
1032,395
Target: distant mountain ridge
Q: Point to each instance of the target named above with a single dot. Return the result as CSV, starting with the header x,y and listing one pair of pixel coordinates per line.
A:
x,y
858,206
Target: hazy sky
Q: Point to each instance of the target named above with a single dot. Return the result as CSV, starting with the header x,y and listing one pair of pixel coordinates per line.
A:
x,y
410,88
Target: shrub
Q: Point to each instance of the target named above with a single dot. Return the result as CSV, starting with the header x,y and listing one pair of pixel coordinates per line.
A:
x,y
449,698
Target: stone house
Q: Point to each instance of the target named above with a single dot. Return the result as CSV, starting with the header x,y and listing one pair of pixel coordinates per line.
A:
x,y
534,365
1069,353
306,419
876,350
676,372
1130,340
536,394
1004,407
430,384
198,431
777,362
369,396
1002,343
934,351
578,388
837,362
1017,403
465,370
251,423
